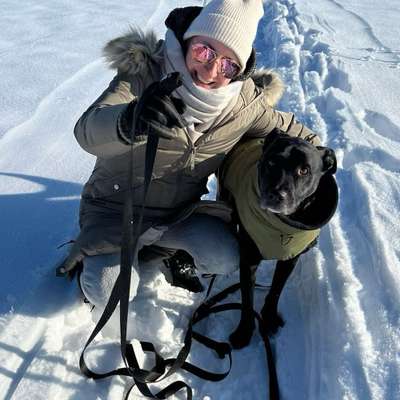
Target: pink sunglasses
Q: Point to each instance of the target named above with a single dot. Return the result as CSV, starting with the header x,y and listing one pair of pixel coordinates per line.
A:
x,y
206,55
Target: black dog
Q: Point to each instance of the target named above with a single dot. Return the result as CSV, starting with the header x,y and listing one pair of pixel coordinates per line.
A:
x,y
282,191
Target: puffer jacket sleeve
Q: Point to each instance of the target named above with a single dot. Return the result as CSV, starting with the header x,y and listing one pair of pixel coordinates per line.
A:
x,y
97,129
270,118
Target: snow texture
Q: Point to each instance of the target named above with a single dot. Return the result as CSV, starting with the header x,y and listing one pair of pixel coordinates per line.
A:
x,y
340,61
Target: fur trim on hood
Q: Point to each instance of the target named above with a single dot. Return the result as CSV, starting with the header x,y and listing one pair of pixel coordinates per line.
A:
x,y
134,53
271,83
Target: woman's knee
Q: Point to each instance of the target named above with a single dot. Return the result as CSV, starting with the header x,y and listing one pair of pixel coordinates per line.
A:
x,y
221,260
99,275
210,242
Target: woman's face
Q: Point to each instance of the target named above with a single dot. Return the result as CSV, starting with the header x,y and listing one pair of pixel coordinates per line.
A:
x,y
205,75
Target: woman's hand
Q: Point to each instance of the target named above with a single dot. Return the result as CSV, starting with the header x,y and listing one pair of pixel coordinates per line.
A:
x,y
155,113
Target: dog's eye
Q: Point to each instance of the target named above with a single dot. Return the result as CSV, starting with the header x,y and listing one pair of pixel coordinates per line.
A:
x,y
303,171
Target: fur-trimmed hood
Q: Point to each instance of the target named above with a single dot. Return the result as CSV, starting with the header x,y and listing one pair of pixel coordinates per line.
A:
x,y
139,53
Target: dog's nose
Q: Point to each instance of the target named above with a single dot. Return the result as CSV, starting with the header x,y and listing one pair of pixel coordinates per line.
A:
x,y
283,194
278,195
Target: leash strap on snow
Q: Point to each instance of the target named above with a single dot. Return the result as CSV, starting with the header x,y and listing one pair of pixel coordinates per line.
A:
x,y
222,349
210,307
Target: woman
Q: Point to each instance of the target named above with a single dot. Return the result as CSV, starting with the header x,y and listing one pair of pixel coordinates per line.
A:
x,y
218,103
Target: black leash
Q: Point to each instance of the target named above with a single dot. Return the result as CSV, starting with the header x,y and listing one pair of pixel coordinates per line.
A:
x,y
120,295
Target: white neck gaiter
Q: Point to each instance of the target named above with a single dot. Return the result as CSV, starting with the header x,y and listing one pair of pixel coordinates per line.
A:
x,y
203,106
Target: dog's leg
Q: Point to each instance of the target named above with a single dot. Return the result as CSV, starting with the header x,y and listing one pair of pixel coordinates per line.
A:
x,y
242,335
269,313
249,260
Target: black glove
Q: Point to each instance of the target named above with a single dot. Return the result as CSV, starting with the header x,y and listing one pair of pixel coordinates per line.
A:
x,y
155,113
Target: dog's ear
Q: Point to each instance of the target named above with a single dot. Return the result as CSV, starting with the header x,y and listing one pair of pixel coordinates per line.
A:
x,y
328,159
272,137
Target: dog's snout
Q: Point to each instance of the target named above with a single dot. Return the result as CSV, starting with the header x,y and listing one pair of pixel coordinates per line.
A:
x,y
275,200
277,195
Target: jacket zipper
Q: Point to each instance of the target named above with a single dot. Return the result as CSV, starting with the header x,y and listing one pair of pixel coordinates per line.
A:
x,y
192,154
192,157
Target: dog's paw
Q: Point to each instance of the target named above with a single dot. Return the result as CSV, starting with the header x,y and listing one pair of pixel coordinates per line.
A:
x,y
241,337
272,321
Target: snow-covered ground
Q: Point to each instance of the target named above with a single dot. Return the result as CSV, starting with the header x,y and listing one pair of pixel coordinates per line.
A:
x,y
340,60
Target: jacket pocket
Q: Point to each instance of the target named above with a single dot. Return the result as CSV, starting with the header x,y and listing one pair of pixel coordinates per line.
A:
x,y
112,189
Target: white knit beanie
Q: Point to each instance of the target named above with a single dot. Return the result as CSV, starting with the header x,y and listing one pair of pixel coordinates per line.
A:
x,y
231,22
